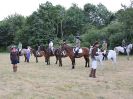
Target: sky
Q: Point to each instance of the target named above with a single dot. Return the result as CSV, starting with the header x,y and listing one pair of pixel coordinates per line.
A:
x,y
26,7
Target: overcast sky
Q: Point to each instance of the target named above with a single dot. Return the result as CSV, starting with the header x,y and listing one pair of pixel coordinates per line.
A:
x,y
26,7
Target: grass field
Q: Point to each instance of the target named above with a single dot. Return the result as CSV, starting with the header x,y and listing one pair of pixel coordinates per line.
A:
x,y
39,81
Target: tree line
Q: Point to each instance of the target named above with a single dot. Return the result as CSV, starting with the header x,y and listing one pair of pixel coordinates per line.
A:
x,y
93,22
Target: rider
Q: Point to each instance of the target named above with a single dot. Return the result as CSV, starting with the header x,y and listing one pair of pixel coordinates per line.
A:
x,y
19,47
51,46
124,44
64,41
37,48
77,44
104,48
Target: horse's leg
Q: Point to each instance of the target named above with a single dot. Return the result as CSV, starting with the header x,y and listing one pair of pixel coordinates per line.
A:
x,y
73,63
56,60
60,61
86,61
127,56
48,60
36,59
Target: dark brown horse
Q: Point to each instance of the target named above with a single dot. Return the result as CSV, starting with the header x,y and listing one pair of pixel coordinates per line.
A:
x,y
48,53
71,54
41,54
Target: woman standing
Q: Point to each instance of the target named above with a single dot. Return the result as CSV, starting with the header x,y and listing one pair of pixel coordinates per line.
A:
x,y
14,57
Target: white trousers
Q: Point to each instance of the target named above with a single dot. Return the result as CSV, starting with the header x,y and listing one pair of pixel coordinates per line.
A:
x,y
94,64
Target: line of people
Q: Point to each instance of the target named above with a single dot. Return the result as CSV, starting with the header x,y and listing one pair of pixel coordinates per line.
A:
x,y
15,60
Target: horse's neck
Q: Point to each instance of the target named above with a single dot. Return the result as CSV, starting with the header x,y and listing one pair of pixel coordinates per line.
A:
x,y
129,46
69,49
34,52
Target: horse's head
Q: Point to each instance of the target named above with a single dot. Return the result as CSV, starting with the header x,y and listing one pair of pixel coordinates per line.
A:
x,y
130,46
41,48
63,46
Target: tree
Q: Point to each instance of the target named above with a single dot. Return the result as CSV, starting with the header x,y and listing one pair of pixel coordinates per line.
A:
x,y
97,15
74,20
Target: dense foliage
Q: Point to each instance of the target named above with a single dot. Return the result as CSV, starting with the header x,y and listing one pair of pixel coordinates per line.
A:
x,y
94,22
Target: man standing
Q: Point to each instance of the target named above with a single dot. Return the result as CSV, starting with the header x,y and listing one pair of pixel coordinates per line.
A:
x,y
94,61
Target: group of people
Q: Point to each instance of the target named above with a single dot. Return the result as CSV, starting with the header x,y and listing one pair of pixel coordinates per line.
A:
x,y
15,59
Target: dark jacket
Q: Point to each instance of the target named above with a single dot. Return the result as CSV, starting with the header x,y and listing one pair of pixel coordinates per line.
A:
x,y
14,56
93,53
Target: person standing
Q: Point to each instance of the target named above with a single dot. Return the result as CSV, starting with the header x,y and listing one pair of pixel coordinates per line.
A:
x,y
94,61
28,53
14,57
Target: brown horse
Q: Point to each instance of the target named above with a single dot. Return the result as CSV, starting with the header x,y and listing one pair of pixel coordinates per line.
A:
x,y
71,54
49,53
41,54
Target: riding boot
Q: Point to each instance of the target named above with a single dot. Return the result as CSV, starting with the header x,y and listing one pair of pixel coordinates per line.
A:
x,y
76,53
94,73
91,73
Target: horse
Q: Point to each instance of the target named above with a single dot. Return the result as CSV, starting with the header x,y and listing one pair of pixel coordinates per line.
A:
x,y
37,54
126,49
26,53
71,53
48,53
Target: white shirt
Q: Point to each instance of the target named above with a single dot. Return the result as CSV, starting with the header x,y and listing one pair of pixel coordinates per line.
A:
x,y
51,44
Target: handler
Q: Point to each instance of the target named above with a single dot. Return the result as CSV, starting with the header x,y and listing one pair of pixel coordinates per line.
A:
x,y
94,61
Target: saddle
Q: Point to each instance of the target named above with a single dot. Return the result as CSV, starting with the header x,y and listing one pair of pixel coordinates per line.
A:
x,y
75,50
52,52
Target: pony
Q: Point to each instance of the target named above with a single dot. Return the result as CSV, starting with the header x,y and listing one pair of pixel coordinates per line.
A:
x,y
48,53
71,53
39,54
126,50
